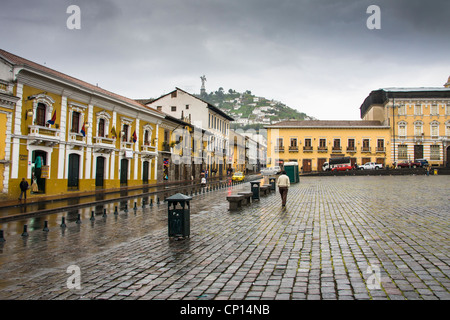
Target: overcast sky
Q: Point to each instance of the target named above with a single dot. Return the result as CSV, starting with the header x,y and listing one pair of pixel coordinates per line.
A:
x,y
317,56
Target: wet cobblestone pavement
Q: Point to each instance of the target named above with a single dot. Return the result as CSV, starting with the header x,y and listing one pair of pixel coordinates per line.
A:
x,y
338,238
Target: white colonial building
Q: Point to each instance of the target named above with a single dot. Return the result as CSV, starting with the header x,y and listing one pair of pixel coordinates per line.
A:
x,y
187,107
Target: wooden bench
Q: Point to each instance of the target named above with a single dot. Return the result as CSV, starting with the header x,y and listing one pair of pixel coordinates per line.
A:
x,y
248,196
235,201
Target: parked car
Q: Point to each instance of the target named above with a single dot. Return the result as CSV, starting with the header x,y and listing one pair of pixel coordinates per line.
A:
x,y
342,167
270,171
424,162
409,164
371,166
238,176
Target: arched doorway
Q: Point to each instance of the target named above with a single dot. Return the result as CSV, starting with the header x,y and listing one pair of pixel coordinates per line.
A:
x,y
39,159
145,167
124,172
74,171
100,172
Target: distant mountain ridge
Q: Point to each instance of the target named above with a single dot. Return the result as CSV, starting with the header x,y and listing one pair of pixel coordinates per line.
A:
x,y
249,110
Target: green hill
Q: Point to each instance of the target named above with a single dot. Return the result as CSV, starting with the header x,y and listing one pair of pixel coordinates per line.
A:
x,y
250,111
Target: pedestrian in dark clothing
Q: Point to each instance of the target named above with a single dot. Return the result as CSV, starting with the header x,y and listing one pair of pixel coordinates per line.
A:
x,y
23,189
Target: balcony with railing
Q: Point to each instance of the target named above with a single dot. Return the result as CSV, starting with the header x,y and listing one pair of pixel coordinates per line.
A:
x,y
279,149
125,145
380,150
293,148
39,134
76,139
336,149
104,144
351,149
148,150
307,149
322,149
366,149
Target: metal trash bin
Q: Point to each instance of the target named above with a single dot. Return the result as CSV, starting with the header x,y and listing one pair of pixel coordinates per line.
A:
x,y
255,188
273,182
179,218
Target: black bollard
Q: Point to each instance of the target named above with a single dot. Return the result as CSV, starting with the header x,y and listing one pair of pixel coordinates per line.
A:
x,y
25,233
2,238
115,211
78,219
143,203
104,213
135,206
63,222
151,202
157,202
92,216
126,207
46,226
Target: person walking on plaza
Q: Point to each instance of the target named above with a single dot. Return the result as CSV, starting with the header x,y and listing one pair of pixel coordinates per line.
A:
x,y
283,183
23,189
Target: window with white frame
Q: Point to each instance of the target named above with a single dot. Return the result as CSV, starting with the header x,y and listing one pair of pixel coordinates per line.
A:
x,y
418,110
403,151
76,117
126,129
42,109
434,129
447,128
147,134
75,122
434,109
103,119
402,129
435,152
418,125
402,110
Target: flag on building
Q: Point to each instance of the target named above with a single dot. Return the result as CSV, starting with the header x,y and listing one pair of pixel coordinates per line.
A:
x,y
52,121
113,132
134,136
83,131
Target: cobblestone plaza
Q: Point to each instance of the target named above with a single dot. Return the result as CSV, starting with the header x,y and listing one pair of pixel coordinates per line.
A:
x,y
364,237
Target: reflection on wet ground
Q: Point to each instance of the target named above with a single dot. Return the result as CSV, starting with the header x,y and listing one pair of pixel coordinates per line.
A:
x,y
318,247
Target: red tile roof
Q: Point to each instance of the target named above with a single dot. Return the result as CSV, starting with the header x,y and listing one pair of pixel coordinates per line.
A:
x,y
19,61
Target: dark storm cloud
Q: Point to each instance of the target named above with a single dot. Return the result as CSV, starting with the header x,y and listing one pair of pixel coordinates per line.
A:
x,y
317,55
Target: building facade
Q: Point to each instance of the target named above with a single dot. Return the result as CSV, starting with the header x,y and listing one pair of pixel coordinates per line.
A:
x,y
419,121
311,143
66,135
214,123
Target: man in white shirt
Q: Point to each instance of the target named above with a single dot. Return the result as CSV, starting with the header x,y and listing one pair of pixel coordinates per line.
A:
x,y
283,183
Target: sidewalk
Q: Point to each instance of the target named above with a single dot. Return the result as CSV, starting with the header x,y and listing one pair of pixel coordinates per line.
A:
x,y
319,247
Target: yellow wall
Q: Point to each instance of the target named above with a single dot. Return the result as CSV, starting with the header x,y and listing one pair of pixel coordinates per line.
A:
x,y
55,185
315,134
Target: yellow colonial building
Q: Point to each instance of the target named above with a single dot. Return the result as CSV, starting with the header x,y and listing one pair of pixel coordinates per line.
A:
x,y
398,124
66,135
312,143
419,121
